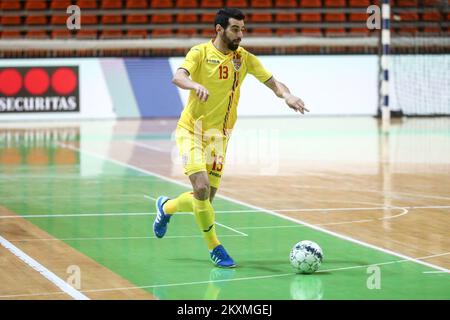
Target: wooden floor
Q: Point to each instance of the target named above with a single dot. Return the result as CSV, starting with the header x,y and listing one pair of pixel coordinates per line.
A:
x,y
404,192
19,281
388,189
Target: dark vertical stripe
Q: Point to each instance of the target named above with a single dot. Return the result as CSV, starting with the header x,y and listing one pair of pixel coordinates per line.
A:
x,y
230,102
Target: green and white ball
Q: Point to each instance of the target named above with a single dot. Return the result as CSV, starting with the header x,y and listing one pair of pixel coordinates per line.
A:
x,y
306,257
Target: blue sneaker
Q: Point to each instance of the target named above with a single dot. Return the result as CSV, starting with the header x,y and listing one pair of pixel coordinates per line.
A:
x,y
162,219
220,257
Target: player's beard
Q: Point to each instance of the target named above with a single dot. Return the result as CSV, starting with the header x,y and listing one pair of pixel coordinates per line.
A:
x,y
231,44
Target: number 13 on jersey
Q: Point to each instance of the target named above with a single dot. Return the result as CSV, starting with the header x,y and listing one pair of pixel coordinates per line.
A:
x,y
223,72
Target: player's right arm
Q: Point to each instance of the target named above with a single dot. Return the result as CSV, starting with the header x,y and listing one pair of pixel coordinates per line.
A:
x,y
189,67
182,80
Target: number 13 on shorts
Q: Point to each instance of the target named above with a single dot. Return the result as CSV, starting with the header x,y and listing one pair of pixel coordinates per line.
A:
x,y
218,163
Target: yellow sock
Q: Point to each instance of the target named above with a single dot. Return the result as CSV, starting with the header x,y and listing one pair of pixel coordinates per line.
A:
x,y
204,215
182,203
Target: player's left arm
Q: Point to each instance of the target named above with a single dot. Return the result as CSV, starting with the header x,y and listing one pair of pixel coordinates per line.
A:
x,y
283,92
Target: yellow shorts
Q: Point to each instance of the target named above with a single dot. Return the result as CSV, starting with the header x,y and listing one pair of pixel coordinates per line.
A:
x,y
201,152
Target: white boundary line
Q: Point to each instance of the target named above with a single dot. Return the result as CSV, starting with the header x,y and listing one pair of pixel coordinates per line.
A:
x,y
99,196
144,146
405,211
53,278
148,197
261,209
80,215
230,228
293,274
230,211
220,224
395,194
107,214
115,238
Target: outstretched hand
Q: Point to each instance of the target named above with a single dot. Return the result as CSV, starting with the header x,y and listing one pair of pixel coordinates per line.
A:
x,y
295,103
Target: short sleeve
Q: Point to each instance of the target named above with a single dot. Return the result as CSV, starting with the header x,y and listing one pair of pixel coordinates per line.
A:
x,y
257,69
192,60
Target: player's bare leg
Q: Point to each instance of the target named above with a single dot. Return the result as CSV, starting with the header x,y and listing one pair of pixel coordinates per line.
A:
x,y
200,185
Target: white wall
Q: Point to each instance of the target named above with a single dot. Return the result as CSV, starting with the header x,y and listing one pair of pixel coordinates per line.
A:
x,y
329,85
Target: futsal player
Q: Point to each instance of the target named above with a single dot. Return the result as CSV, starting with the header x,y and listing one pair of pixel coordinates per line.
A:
x,y
213,72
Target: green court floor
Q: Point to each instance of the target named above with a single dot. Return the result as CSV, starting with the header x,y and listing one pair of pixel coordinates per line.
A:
x,y
109,218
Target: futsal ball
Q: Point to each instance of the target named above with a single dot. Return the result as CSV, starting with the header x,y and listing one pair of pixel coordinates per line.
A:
x,y
306,256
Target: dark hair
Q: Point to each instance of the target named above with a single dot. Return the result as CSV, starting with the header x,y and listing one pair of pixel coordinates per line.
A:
x,y
223,16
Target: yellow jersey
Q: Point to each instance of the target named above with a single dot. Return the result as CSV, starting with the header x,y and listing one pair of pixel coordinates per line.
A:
x,y
222,75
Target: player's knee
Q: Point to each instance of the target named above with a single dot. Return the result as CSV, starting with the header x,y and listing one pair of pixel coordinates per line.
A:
x,y
201,190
